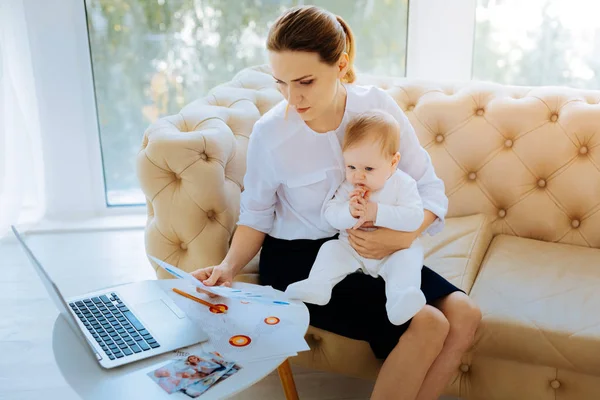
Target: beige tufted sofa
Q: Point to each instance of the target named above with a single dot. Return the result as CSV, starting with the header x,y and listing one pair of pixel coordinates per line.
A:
x,y
522,172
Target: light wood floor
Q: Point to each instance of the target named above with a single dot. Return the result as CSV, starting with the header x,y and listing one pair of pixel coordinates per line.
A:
x,y
80,262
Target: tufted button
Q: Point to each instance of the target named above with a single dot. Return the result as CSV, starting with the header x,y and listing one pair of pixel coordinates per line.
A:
x,y
464,368
575,223
508,143
554,117
317,338
439,138
204,156
178,177
555,384
583,150
210,214
542,183
479,111
502,213
410,107
183,246
472,176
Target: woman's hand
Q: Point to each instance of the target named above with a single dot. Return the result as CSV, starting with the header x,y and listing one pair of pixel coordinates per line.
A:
x,y
382,242
379,243
219,275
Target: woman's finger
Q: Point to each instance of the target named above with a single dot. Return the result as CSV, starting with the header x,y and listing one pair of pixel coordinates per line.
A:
x,y
357,246
202,274
205,292
355,235
360,235
214,277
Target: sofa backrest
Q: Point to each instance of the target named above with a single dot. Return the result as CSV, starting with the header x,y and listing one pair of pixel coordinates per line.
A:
x,y
529,158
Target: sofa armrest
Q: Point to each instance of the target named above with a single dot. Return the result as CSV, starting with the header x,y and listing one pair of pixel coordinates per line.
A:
x,y
191,168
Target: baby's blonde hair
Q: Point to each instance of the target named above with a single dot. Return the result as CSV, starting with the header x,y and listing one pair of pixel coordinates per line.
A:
x,y
374,125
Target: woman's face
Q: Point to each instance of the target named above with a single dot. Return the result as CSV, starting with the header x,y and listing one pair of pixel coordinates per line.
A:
x,y
308,84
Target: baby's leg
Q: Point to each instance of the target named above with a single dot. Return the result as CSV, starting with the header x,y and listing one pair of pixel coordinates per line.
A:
x,y
402,275
334,262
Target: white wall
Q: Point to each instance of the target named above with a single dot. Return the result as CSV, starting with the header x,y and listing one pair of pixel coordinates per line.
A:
x,y
440,39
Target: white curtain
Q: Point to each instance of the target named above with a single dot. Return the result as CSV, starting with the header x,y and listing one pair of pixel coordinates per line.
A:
x,y
21,163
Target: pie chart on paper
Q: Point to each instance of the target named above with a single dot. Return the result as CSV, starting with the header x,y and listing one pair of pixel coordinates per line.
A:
x,y
240,340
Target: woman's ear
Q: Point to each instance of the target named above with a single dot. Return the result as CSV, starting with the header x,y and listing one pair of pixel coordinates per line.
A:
x,y
343,65
395,160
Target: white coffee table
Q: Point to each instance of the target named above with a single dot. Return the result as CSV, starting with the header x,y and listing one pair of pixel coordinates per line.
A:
x,y
90,381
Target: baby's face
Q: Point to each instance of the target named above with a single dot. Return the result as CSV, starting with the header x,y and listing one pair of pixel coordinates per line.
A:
x,y
366,166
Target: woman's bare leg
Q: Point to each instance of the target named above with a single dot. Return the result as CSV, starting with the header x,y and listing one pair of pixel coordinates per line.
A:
x,y
405,368
463,316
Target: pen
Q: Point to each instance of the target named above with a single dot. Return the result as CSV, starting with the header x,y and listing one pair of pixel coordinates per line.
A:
x,y
216,308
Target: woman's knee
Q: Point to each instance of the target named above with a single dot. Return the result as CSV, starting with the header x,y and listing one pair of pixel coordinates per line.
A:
x,y
430,325
463,316
461,312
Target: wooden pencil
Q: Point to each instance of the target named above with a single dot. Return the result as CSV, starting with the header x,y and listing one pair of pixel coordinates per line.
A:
x,y
196,299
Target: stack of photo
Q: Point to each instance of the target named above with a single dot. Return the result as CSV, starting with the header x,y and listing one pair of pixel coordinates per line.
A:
x,y
193,374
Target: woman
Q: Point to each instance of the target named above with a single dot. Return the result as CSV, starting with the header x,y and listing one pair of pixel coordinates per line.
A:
x,y
294,165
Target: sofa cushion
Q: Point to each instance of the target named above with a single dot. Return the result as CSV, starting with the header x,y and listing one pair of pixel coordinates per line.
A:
x,y
457,252
540,303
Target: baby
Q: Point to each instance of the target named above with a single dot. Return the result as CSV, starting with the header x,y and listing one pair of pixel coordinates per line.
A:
x,y
164,379
374,191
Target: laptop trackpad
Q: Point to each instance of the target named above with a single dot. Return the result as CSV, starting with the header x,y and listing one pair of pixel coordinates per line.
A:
x,y
155,314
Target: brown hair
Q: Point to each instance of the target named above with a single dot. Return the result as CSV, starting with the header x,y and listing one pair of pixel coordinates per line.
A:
x,y
374,125
315,30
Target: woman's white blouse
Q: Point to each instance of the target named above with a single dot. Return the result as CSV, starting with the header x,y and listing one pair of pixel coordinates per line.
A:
x,y
292,171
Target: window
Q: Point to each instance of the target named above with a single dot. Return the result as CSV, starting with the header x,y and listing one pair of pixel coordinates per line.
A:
x,y
538,42
151,57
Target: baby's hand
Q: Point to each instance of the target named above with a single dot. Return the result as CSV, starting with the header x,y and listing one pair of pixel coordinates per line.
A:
x,y
371,212
368,214
357,206
357,192
361,192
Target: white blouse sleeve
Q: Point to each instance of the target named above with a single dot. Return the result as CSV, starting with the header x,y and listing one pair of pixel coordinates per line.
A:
x,y
416,162
257,203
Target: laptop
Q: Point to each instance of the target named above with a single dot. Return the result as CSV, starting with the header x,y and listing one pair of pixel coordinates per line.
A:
x,y
125,323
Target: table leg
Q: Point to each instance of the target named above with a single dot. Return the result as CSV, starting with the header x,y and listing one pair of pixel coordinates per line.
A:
x,y
287,381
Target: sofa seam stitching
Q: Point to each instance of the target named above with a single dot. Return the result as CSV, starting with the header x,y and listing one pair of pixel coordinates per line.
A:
x,y
470,253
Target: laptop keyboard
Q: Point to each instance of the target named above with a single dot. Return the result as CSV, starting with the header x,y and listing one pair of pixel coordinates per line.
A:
x,y
118,332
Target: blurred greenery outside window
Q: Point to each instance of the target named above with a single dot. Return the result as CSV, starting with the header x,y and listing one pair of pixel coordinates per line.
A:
x,y
152,57
538,42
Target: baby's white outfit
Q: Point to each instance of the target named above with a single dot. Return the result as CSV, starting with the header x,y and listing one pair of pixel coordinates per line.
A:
x,y
399,208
